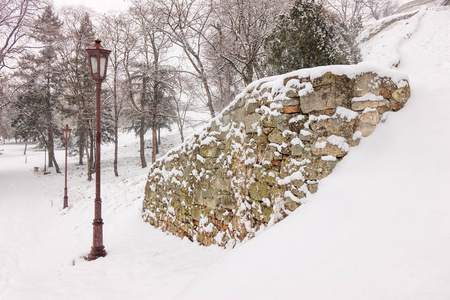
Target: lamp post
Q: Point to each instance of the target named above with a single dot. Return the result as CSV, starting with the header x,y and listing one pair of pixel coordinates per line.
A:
x,y
66,135
98,63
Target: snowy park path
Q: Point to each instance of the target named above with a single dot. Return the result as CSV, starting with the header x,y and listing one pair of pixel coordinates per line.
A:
x,y
27,233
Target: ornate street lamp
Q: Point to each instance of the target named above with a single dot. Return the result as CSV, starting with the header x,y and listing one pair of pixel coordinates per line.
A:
x,y
98,63
66,135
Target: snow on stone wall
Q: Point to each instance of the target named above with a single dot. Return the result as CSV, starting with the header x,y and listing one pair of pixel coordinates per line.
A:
x,y
264,154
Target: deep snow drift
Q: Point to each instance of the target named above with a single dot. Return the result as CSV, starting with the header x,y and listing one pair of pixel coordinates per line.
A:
x,y
377,229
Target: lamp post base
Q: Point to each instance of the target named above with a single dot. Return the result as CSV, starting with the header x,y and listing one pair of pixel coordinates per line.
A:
x,y
66,204
97,249
95,253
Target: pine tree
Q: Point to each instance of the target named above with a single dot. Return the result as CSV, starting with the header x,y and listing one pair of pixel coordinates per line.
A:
x,y
345,49
39,98
80,87
306,37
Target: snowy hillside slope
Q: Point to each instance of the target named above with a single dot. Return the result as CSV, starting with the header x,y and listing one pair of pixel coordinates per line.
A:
x,y
378,228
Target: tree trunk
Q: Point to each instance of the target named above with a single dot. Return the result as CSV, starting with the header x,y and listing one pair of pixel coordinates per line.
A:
x,y
154,141
83,147
159,135
180,127
92,145
116,126
142,142
51,149
209,103
49,154
80,142
142,127
56,165
116,151
158,138
154,113
88,158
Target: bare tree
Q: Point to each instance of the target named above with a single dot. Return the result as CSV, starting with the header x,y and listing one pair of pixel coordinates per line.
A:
x,y
347,11
154,46
188,21
239,30
381,8
16,19
112,27
182,103
350,11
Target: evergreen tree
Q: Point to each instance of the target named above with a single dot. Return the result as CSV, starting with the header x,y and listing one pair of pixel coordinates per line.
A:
x,y
79,93
346,49
39,98
306,37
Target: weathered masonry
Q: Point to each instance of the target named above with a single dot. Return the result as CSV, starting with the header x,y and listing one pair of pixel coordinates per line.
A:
x,y
258,160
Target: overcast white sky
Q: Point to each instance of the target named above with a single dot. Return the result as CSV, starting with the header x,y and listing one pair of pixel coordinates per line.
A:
x,y
106,5
100,6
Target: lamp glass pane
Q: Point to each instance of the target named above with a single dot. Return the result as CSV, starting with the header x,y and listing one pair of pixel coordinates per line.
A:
x,y
94,65
102,65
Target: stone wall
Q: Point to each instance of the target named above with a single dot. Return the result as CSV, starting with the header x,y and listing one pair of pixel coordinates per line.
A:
x,y
264,154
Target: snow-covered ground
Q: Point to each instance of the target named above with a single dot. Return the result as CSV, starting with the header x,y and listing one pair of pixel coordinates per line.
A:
x,y
378,228
41,244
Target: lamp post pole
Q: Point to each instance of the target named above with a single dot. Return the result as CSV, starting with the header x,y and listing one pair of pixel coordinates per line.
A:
x,y
98,249
66,135
98,61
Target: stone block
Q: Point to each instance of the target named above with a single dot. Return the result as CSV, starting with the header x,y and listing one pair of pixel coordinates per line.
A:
x,y
323,148
210,150
287,79
324,97
252,122
365,83
313,187
291,205
267,212
277,163
212,203
292,93
401,95
291,102
195,212
292,109
396,106
228,202
226,117
238,114
220,184
361,105
276,137
296,150
370,117
251,107
366,129
258,191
